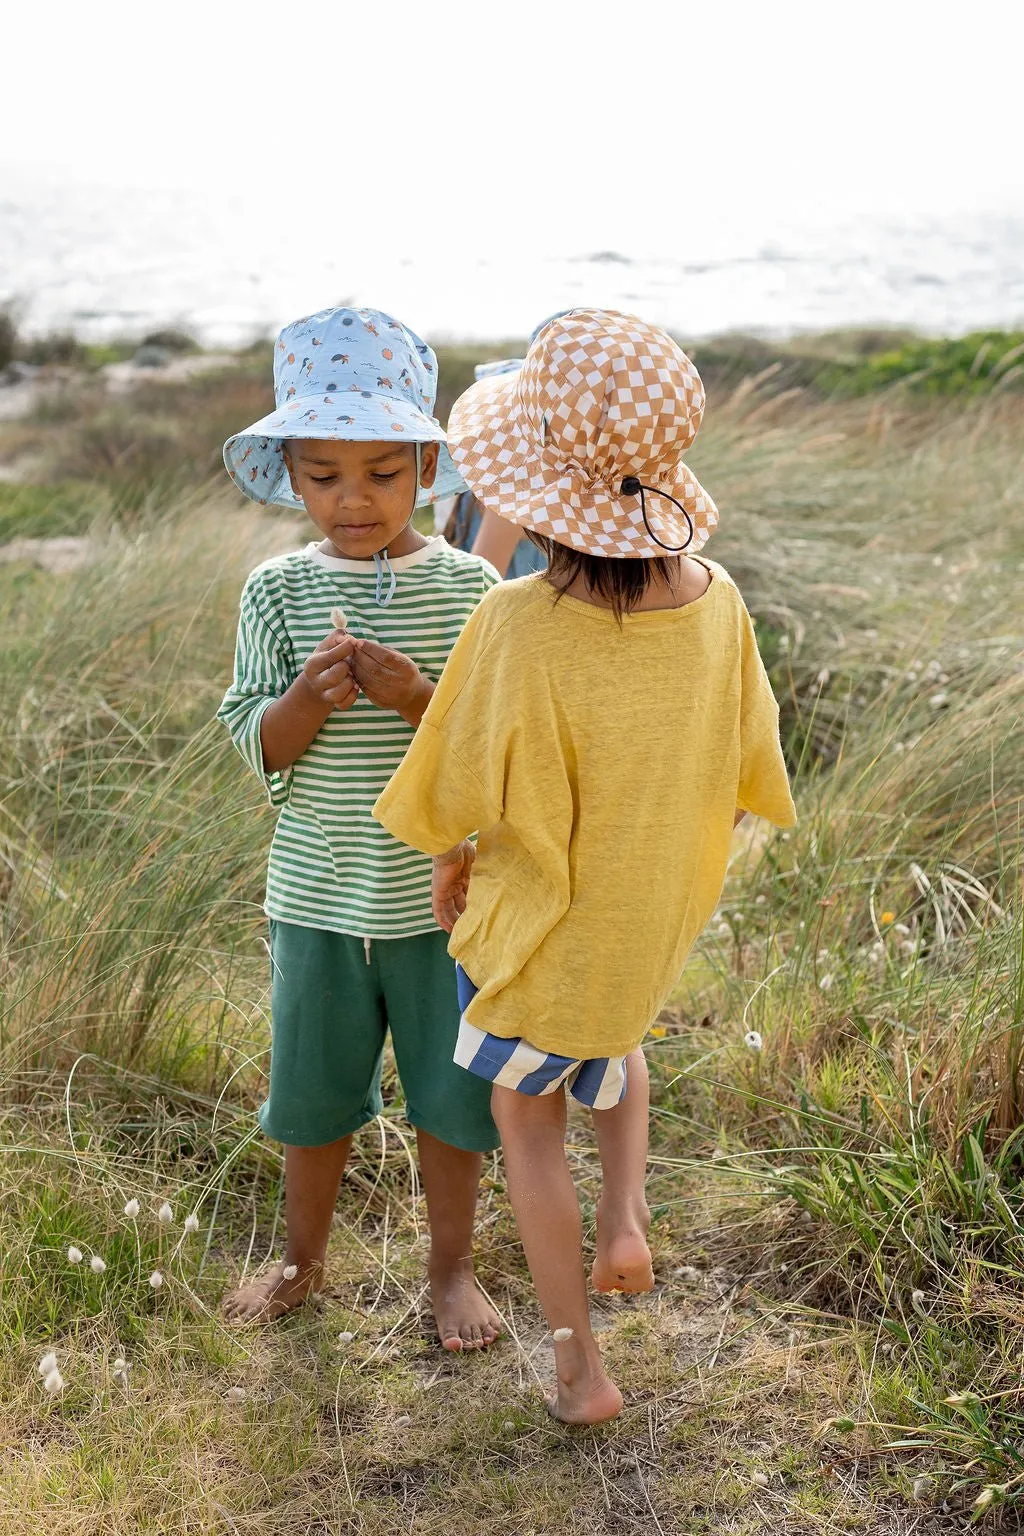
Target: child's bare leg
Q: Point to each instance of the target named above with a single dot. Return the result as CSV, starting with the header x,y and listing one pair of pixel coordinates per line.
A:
x,y
311,1179
451,1181
548,1215
623,1261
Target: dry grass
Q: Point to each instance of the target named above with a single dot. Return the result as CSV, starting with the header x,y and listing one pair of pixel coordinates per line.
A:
x,y
803,1194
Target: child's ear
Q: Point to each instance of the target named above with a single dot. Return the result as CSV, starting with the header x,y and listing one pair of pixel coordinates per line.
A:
x,y
290,467
428,464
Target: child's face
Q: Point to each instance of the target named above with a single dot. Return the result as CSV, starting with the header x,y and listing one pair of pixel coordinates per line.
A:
x,y
359,495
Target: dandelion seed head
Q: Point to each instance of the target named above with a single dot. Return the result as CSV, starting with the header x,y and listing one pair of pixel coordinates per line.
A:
x,y
338,618
917,1300
759,1479
47,1364
761,901
120,1366
908,947
561,1334
132,1209
290,1271
403,1421
54,1381
235,1395
191,1222
345,1337
752,1040
156,1280
74,1255
97,1265
900,928
165,1215
826,982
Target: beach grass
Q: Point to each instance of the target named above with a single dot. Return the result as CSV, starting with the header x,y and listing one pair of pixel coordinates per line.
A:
x,y
836,1338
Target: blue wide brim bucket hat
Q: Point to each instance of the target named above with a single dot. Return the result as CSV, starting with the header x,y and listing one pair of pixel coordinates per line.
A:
x,y
348,375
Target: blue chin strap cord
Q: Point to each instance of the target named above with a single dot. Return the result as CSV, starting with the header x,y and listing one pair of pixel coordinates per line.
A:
x,y
380,559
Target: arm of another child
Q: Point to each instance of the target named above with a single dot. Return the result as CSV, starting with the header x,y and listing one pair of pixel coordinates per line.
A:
x,y
497,540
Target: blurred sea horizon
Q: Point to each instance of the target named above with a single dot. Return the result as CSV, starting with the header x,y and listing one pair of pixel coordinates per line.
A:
x,y
107,263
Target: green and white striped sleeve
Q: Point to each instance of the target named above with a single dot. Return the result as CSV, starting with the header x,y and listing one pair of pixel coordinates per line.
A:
x,y
264,670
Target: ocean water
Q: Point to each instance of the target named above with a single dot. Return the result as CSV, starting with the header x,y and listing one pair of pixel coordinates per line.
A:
x,y
112,263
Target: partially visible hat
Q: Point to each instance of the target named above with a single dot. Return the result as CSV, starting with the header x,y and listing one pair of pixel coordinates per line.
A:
x,y
584,443
351,375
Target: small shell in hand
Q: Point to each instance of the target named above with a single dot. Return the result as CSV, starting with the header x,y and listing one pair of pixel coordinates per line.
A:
x,y
338,618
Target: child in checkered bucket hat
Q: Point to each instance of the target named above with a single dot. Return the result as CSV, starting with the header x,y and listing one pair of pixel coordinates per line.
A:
x,y
642,729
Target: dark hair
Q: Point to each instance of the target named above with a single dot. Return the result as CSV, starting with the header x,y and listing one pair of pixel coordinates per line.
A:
x,y
620,580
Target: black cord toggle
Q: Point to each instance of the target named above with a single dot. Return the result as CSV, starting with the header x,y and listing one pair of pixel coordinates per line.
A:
x,y
631,486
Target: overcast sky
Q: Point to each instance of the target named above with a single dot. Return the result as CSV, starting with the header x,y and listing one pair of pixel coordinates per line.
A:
x,y
560,125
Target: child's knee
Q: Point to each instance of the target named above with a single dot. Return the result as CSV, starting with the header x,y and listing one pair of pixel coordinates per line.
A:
x,y
518,1113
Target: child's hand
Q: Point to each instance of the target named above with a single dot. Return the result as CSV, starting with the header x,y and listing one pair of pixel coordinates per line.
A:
x,y
391,680
450,885
328,671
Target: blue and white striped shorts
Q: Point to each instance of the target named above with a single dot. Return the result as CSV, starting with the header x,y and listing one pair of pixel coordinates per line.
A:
x,y
599,1081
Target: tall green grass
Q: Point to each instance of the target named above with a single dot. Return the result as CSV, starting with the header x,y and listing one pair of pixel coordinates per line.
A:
x,y
850,1179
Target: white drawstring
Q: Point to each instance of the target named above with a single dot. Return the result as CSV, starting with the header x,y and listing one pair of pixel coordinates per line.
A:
x,y
380,560
366,950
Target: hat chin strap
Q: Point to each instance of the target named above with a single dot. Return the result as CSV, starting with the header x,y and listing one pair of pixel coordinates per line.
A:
x,y
631,487
384,567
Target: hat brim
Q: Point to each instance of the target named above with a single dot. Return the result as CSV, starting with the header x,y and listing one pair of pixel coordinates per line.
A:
x,y
496,450
254,458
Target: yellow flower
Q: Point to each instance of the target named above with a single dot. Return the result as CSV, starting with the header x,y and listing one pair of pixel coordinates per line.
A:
x,y
887,917
659,1031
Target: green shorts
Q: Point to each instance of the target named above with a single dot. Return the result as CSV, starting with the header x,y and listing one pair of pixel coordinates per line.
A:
x,y
333,999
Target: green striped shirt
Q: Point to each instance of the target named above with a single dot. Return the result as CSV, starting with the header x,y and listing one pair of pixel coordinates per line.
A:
x,y
331,865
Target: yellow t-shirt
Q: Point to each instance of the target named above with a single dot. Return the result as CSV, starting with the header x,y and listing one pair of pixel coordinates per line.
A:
x,y
602,767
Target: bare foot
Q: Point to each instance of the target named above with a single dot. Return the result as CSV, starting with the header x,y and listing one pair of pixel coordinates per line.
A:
x,y
623,1261
585,1394
464,1317
269,1297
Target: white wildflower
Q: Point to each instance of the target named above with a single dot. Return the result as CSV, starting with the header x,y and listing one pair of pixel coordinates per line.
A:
x,y
47,1364
54,1381
936,560
822,955
826,982
900,928
156,1280
908,947
508,1426
120,1366
403,1421
761,901
97,1265
561,1334
938,700
235,1395
345,1337
752,1040
723,931
985,1497
759,1479
132,1209
192,1222
290,1271
917,1301
338,618
823,677
165,1215
74,1255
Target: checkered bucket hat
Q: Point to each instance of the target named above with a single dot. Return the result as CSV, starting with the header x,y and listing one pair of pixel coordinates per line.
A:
x,y
585,442
353,375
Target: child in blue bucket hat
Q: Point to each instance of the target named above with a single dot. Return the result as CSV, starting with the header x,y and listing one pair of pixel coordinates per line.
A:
x,y
340,645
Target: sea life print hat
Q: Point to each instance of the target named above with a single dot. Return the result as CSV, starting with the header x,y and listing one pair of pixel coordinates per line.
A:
x,y
584,443
352,375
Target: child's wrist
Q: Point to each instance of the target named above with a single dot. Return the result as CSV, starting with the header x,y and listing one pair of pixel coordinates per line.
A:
x,y
417,707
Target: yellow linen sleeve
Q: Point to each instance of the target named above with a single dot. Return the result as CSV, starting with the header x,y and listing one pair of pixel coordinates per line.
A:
x,y
764,783
451,781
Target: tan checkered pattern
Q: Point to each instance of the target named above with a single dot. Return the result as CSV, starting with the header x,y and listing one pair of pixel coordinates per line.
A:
x,y
599,397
